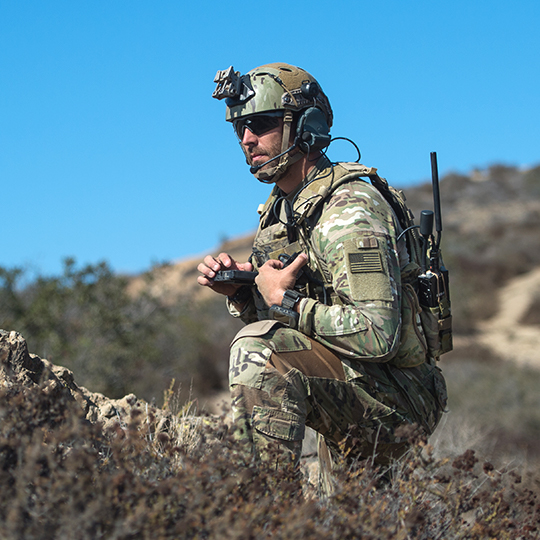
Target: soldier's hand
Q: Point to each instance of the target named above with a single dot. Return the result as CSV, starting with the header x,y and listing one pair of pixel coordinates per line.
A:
x,y
211,265
273,280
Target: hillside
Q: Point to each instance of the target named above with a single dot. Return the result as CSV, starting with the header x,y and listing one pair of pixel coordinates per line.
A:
x,y
75,463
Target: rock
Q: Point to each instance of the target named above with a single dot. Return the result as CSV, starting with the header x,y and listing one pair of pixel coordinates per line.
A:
x,y
20,368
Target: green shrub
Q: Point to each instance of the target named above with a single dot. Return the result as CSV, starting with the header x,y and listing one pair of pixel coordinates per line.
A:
x,y
115,343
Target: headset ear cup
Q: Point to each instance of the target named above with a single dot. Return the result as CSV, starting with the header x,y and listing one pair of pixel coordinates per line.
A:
x,y
313,132
310,89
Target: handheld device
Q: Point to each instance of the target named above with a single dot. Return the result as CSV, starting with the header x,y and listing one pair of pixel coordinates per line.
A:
x,y
236,276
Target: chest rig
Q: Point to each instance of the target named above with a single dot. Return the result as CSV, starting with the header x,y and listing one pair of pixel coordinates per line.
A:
x,y
287,223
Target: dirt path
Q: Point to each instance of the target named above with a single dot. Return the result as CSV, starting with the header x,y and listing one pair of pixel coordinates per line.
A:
x,y
505,333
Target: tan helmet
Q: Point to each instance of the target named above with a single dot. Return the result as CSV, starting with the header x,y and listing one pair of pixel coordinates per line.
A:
x,y
271,88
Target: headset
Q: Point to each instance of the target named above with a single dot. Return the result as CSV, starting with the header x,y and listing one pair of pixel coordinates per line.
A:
x,y
312,131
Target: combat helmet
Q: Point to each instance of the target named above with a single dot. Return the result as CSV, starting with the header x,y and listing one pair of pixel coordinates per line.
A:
x,y
284,90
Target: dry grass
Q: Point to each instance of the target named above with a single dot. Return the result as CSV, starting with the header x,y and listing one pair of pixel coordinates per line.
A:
x,y
63,477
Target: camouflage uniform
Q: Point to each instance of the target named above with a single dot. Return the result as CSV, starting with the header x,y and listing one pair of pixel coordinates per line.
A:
x,y
356,367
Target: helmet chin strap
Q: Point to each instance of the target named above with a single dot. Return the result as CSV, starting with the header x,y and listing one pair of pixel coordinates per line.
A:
x,y
271,175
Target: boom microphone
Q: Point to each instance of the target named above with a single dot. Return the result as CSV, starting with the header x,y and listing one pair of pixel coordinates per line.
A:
x,y
255,168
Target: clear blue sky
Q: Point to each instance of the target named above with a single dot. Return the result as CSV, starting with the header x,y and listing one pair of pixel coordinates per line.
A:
x,y
111,147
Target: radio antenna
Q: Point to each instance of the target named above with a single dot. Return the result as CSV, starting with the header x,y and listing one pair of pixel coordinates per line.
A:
x,y
436,199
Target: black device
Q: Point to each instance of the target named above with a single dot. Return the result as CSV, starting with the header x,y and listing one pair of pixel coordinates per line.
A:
x,y
242,277
286,313
287,259
433,281
312,133
428,281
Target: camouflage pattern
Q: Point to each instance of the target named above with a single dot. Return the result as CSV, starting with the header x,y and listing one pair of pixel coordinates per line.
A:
x,y
357,307
276,87
357,417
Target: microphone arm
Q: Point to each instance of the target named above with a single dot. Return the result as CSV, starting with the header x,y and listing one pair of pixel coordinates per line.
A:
x,y
255,168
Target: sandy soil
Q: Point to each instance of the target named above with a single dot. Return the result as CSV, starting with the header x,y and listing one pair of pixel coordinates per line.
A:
x,y
505,333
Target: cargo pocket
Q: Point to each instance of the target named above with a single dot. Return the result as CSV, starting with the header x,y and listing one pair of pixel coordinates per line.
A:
x,y
430,323
278,424
379,395
439,385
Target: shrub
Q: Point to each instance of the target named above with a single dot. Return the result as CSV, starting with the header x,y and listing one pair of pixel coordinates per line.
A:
x,y
116,344
64,478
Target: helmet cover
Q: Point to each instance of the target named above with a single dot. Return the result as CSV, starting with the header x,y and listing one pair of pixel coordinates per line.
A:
x,y
271,87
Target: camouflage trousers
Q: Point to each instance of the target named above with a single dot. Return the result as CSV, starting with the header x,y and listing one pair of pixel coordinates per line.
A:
x,y
282,381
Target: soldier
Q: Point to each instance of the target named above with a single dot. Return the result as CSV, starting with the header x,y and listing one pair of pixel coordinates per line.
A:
x,y
332,337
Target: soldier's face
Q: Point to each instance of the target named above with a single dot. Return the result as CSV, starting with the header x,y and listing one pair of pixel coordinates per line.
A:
x,y
261,148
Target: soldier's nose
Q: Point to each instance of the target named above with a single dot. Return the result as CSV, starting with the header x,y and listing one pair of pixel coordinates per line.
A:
x,y
249,138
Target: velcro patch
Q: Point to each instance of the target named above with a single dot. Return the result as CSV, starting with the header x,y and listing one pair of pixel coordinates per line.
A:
x,y
366,261
367,268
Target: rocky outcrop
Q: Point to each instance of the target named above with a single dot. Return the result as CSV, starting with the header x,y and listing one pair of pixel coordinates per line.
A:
x,y
19,368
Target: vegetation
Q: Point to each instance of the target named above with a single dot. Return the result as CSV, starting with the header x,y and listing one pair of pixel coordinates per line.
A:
x,y
65,478
116,344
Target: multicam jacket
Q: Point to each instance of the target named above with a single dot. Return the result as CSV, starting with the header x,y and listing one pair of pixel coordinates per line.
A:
x,y
358,301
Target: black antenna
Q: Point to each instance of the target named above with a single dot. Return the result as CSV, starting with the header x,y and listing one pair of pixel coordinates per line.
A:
x,y
436,198
433,283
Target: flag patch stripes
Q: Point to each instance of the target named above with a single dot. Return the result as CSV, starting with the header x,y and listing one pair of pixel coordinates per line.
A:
x,y
369,261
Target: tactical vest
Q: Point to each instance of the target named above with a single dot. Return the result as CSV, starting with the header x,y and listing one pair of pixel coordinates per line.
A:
x,y
421,326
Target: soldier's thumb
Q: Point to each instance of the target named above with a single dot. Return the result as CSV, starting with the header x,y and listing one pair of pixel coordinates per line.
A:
x,y
300,261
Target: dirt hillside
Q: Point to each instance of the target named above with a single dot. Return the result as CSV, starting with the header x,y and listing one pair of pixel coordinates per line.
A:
x,y
514,331
177,280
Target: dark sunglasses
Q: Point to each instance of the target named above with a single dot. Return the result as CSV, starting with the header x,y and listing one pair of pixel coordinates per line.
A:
x,y
258,124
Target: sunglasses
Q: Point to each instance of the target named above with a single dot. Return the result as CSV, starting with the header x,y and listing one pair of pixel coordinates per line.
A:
x,y
258,124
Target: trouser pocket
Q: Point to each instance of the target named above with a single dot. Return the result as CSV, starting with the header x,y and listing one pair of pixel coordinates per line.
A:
x,y
278,424
425,389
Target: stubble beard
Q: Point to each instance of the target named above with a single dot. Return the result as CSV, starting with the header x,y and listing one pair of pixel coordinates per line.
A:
x,y
268,152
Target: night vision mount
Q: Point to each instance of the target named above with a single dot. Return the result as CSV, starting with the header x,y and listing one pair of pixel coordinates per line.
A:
x,y
231,85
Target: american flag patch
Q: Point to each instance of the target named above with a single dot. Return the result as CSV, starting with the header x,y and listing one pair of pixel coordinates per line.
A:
x,y
370,261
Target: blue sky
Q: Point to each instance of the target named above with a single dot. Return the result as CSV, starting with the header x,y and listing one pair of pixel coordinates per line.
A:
x,y
111,147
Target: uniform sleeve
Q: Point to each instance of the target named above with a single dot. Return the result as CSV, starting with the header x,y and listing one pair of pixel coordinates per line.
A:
x,y
248,313
356,239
